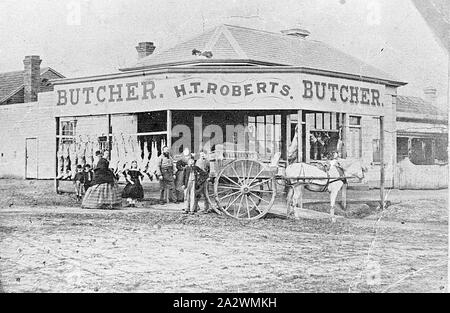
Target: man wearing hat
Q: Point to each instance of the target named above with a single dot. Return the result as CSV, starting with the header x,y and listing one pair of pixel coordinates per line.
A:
x,y
201,189
166,176
179,175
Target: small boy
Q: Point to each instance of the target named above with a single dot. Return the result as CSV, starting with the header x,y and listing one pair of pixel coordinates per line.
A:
x,y
202,181
88,175
190,177
79,181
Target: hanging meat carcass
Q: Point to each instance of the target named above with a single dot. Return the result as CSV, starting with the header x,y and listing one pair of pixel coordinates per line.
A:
x,y
81,150
137,152
114,164
123,153
145,160
66,161
60,160
89,154
153,162
73,159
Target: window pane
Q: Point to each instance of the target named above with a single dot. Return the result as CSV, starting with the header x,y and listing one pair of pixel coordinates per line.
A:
x,y
269,139
376,150
355,143
355,120
252,136
277,138
261,135
278,119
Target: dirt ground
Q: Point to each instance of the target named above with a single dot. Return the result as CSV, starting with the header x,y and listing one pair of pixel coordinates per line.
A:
x,y
49,244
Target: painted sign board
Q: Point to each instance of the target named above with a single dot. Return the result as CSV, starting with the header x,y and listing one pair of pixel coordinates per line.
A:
x,y
246,91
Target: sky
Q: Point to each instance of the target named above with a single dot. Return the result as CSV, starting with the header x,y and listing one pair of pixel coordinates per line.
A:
x,y
92,37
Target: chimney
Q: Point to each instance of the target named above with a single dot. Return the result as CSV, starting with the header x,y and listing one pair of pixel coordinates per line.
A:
x,y
31,77
296,32
430,95
145,49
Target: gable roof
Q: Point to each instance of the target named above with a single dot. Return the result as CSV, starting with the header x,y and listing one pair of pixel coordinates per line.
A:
x,y
418,108
12,82
256,47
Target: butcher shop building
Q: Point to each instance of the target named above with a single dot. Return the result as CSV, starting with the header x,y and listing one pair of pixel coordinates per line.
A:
x,y
232,87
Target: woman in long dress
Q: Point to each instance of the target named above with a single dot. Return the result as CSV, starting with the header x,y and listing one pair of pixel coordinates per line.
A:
x,y
104,192
133,190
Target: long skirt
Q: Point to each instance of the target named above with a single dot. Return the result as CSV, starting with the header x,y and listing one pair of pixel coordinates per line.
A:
x,y
133,191
102,196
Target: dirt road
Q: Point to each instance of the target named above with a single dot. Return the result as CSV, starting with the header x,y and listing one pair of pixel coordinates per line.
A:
x,y
48,244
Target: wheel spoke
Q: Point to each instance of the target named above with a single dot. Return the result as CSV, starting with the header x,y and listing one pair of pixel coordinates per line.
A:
x,y
244,169
261,190
237,175
223,191
250,171
226,209
259,197
228,187
254,178
248,210
256,206
231,180
229,195
239,208
260,183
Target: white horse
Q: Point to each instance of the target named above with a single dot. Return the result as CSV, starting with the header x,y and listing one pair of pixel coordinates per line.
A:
x,y
330,183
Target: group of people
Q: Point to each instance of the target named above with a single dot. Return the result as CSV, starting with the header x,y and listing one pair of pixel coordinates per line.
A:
x,y
99,185
182,181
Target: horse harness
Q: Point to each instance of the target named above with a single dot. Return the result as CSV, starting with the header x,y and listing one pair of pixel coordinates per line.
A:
x,y
325,168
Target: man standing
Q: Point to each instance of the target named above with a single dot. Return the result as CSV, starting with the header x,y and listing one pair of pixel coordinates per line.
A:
x,y
190,177
166,176
179,175
202,183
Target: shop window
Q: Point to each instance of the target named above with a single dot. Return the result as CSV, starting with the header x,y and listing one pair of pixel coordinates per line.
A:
x,y
355,138
264,132
68,131
152,122
322,144
441,148
402,148
422,151
354,121
376,157
376,153
103,143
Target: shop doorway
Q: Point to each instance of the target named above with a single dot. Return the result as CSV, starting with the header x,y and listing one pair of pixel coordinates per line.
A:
x,y
31,158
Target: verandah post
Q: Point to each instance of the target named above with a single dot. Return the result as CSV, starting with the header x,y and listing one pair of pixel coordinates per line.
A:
x,y
109,134
168,143
56,181
299,136
287,136
169,130
382,161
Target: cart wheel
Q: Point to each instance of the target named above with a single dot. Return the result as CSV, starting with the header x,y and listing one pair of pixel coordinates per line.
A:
x,y
245,189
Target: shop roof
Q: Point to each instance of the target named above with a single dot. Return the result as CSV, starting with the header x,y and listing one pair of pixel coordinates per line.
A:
x,y
418,108
12,82
256,47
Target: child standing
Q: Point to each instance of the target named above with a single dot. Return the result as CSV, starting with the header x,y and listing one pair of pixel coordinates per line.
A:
x,y
190,177
88,175
133,190
79,182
